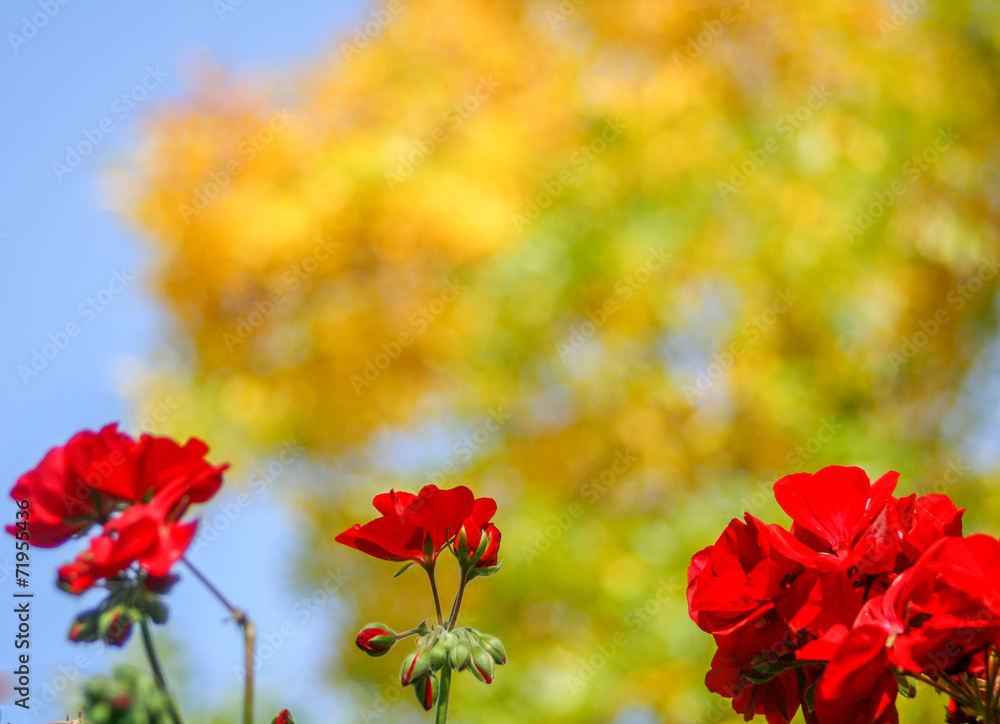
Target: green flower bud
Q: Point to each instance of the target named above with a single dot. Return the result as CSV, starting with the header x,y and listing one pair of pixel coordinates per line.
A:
x,y
460,654
482,665
157,611
439,656
494,647
115,626
415,666
84,628
426,689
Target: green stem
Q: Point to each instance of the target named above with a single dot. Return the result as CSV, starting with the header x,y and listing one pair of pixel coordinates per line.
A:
x,y
249,641
434,590
453,619
443,695
154,664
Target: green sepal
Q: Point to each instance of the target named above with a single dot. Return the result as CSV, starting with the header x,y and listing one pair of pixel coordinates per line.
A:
x,y
810,699
484,543
485,572
429,549
403,570
462,547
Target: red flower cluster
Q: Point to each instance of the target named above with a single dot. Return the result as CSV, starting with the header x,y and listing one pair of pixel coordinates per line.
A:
x,y
418,527
863,590
138,490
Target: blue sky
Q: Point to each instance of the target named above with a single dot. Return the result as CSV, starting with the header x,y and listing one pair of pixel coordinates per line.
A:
x,y
72,289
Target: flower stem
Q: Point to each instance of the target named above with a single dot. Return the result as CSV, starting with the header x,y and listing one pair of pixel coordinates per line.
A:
x,y
453,619
249,639
154,664
434,590
443,695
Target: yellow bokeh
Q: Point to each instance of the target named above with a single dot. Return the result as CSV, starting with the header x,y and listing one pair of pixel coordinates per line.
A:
x,y
731,240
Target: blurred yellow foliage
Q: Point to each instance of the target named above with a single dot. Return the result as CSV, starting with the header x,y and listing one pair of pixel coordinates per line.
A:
x,y
686,248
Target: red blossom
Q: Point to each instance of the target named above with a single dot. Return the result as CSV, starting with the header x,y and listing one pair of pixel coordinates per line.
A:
x,y
412,527
95,474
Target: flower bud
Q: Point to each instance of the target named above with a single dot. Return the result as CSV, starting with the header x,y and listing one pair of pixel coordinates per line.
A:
x,y
439,656
115,626
426,689
462,547
494,647
157,610
459,655
283,718
84,628
376,639
482,665
415,666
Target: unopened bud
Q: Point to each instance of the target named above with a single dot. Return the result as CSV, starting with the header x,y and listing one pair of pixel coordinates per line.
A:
x,y
482,665
84,628
115,627
460,654
426,689
376,639
415,666
494,647
157,611
439,656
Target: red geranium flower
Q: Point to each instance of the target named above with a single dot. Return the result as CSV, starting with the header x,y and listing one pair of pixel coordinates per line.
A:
x,y
839,512
741,578
858,685
147,534
98,473
412,527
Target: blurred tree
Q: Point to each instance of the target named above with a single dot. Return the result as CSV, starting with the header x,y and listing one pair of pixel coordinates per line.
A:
x,y
618,265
